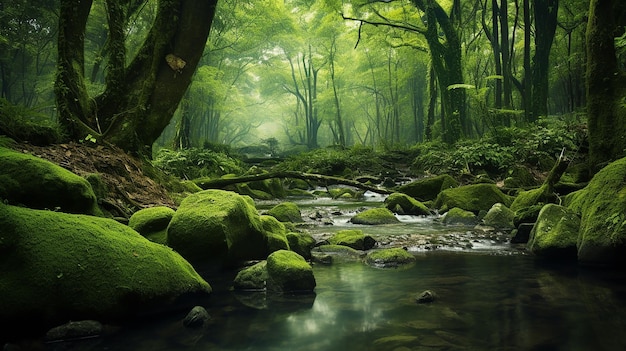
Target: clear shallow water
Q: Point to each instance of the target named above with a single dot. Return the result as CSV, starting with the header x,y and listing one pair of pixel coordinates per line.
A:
x,y
490,297
485,302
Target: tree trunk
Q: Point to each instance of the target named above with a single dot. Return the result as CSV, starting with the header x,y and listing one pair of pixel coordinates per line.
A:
x,y
545,26
606,84
140,99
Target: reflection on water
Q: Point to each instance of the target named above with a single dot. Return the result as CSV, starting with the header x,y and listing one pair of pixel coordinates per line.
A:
x,y
485,302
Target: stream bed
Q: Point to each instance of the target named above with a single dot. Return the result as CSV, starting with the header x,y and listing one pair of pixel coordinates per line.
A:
x,y
490,296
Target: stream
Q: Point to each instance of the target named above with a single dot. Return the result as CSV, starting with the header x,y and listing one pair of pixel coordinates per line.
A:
x,y
490,296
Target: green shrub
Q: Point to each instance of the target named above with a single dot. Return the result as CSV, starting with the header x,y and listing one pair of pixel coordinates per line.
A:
x,y
195,163
336,161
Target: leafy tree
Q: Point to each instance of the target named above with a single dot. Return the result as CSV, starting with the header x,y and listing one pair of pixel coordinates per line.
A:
x,y
142,93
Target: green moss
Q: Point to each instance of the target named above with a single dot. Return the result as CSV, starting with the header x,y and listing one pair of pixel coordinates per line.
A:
x,y
353,238
275,233
289,272
217,225
375,216
57,267
555,233
459,216
338,249
286,212
344,193
602,207
428,188
404,204
475,198
40,184
500,217
393,257
252,278
301,243
529,198
150,221
100,189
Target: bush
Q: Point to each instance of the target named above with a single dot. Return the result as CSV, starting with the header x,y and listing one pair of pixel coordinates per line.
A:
x,y
195,163
21,123
336,161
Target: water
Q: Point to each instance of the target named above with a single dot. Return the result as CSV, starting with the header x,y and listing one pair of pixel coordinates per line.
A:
x,y
489,297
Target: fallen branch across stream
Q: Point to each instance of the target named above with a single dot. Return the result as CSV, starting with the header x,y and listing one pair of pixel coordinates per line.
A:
x,y
207,183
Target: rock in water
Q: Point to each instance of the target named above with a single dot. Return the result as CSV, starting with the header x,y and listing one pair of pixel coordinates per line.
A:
x,y
74,330
427,296
196,318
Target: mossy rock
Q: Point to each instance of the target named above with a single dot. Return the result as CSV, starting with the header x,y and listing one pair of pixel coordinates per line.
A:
x,y
428,188
288,272
499,217
529,198
389,258
518,177
286,212
353,238
58,267
252,278
245,189
36,183
459,216
152,223
403,204
602,208
527,215
344,193
275,233
338,250
375,216
475,198
301,243
218,225
273,186
555,233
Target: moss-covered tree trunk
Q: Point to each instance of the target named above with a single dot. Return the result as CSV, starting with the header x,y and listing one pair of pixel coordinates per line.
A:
x,y
140,98
545,26
606,84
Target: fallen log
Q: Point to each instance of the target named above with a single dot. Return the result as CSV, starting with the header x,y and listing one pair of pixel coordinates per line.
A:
x,y
219,183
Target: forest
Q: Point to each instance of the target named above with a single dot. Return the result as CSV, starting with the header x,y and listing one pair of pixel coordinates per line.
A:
x,y
262,151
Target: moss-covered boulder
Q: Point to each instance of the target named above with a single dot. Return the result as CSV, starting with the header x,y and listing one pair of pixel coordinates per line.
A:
x,y
353,238
288,272
602,208
403,204
252,278
218,225
529,198
152,222
459,216
301,243
388,258
58,267
499,217
475,198
36,183
286,212
428,188
375,216
275,234
555,233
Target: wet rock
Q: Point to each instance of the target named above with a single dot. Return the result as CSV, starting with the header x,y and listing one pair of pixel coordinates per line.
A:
x,y
522,234
404,204
555,234
286,212
196,318
375,216
252,278
75,330
426,296
500,217
389,258
471,198
289,272
152,222
353,238
321,258
428,188
458,216
302,243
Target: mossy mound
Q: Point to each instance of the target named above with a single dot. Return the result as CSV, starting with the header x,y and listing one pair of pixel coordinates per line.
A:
x,y
529,198
403,204
375,216
152,222
58,267
217,225
499,217
353,238
602,208
475,198
519,176
428,188
275,233
252,278
389,258
555,233
338,250
288,272
301,243
345,193
286,212
459,216
36,183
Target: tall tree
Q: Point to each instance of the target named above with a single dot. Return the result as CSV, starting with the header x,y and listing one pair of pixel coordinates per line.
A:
x,y
606,82
545,12
141,94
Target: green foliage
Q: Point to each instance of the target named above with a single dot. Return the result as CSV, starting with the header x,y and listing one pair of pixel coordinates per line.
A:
x,y
336,161
26,124
195,163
